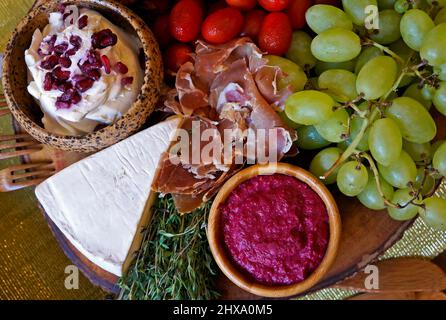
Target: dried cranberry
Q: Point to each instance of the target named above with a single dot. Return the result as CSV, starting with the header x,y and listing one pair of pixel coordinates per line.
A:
x,y
106,64
76,41
127,81
84,84
62,104
49,62
59,74
95,74
82,22
48,82
61,48
103,39
121,68
65,62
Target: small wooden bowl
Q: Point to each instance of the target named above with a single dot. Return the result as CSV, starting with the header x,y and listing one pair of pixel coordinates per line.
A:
x,y
28,113
233,272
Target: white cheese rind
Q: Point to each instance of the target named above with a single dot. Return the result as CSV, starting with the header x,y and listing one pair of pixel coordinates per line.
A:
x,y
98,202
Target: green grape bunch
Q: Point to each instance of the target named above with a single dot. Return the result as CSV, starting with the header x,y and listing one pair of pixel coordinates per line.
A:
x,y
369,101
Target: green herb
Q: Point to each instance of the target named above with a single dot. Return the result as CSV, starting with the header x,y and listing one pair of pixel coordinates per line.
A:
x,y
174,261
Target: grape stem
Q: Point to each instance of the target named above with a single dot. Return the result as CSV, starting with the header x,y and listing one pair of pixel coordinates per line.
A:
x,y
377,180
384,49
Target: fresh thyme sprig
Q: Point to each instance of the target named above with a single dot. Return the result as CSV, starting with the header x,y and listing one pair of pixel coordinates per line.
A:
x,y
174,261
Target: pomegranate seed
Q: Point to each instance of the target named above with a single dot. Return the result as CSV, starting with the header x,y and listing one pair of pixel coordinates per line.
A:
x,y
62,104
64,86
61,48
106,64
66,15
65,62
71,52
103,39
126,81
94,58
48,82
49,62
76,98
95,74
61,8
59,74
76,41
121,68
82,22
84,84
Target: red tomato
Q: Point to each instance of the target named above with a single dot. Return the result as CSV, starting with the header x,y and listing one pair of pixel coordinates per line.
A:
x,y
185,20
161,30
242,4
296,11
274,5
276,34
253,23
177,55
222,25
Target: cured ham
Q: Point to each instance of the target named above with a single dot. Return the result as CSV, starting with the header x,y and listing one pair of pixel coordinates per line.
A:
x,y
226,96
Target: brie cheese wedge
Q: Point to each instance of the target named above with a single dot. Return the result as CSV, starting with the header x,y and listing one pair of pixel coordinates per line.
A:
x,y
101,203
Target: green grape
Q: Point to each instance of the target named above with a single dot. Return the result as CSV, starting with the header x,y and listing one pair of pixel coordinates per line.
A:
x,y
336,45
439,99
288,121
323,161
300,50
429,182
402,197
366,55
370,196
386,4
415,25
389,27
434,213
439,3
355,127
434,46
415,122
416,93
356,9
352,178
441,16
419,152
401,6
441,72
322,17
310,139
428,93
439,162
400,172
340,84
295,76
436,145
401,49
335,129
385,141
377,77
309,107
321,66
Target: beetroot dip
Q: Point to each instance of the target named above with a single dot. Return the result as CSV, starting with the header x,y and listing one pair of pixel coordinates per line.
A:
x,y
275,228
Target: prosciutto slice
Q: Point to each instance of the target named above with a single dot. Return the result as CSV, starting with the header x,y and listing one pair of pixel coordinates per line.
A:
x,y
226,87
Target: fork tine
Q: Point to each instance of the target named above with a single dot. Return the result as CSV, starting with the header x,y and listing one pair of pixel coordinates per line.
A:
x,y
37,174
6,146
30,166
15,137
13,154
25,184
4,112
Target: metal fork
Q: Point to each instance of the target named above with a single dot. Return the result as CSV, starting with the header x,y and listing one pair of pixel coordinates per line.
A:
x,y
17,145
26,175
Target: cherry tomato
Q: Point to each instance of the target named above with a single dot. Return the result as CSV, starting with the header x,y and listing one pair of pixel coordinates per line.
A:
x,y
214,6
177,55
274,5
185,20
276,34
296,11
242,4
253,23
222,25
161,30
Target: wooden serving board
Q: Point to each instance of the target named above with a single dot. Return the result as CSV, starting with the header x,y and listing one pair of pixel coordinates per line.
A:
x,y
366,234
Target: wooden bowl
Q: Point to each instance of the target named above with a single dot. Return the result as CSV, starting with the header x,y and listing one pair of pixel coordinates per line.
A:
x,y
28,113
233,272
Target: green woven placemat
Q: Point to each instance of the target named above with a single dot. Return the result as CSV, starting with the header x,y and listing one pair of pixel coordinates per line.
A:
x,y
32,266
